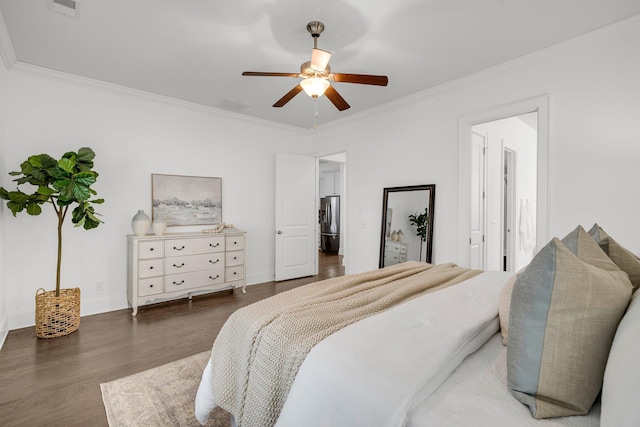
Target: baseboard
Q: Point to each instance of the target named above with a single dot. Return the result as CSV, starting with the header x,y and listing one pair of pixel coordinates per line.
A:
x,y
262,277
4,330
26,318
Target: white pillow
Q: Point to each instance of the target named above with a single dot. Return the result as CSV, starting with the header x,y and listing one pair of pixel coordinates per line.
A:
x,y
622,375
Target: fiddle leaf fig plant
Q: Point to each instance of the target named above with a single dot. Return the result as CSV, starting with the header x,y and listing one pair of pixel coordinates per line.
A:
x,y
63,184
421,222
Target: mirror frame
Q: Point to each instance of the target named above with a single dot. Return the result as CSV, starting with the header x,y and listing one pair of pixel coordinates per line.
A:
x,y
431,204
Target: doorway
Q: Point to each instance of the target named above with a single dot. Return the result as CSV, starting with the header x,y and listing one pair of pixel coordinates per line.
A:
x,y
331,209
509,200
510,166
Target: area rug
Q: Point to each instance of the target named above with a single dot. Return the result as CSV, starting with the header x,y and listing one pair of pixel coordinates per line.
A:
x,y
162,396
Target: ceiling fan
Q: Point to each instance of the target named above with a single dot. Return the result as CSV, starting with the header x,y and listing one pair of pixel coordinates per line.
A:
x,y
316,75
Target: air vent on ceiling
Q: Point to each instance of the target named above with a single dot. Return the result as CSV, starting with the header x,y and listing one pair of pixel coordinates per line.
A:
x,y
233,105
66,7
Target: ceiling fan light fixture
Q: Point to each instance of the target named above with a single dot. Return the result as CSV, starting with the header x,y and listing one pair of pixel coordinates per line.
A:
x,y
319,59
315,86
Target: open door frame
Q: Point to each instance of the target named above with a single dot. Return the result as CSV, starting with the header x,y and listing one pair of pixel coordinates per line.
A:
x,y
539,104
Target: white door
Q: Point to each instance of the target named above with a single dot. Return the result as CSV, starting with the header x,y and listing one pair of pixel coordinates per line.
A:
x,y
476,226
296,216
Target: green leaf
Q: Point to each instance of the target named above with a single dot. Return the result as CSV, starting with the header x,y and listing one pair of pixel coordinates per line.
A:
x,y
15,207
89,224
97,201
46,191
81,192
18,197
4,194
36,161
34,208
85,178
66,164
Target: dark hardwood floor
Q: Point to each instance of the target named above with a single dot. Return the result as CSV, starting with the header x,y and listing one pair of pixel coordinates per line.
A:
x,y
56,382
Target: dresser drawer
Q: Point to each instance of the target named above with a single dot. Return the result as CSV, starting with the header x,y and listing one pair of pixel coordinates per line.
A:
x,y
391,258
234,273
196,279
151,249
234,258
180,247
390,246
151,286
150,268
234,243
185,264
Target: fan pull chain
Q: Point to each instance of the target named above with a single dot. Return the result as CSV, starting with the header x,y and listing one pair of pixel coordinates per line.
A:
x,y
315,111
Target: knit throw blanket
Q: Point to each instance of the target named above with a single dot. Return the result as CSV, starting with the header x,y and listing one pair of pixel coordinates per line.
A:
x,y
260,348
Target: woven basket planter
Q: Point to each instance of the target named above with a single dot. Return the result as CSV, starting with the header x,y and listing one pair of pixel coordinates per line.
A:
x,y
57,316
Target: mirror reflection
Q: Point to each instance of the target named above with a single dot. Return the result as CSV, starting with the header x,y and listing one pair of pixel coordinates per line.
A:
x,y
407,224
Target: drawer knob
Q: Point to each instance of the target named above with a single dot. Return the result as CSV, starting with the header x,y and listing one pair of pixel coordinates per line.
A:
x,y
234,273
178,249
179,266
151,286
151,268
235,243
235,257
214,246
178,284
151,249
214,262
214,278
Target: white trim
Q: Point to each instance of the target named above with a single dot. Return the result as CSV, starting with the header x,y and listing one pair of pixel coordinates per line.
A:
x,y
93,83
611,30
539,104
4,331
6,47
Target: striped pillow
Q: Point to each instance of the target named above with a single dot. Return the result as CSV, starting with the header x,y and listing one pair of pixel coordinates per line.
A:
x,y
565,309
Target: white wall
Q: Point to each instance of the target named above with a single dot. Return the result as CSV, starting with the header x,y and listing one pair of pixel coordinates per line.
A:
x,y
4,324
593,155
594,142
133,136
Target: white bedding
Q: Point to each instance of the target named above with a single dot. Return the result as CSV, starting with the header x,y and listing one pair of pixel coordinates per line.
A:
x,y
376,371
404,367
476,395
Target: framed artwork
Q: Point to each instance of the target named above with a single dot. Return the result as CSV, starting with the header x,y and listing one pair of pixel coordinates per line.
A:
x,y
186,200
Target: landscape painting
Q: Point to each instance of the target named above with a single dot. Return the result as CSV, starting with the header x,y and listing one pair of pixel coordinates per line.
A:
x,y
186,200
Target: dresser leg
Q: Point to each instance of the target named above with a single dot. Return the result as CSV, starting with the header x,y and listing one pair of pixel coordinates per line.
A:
x,y
135,311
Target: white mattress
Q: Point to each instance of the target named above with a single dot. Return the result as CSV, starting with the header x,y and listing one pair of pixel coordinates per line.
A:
x,y
476,394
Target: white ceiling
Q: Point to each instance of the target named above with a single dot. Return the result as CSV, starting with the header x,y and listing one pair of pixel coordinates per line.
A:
x,y
196,50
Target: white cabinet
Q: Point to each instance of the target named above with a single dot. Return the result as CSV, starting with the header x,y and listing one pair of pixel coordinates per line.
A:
x,y
330,183
167,267
394,252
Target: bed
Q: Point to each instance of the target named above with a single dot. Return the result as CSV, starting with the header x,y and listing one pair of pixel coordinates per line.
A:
x,y
432,357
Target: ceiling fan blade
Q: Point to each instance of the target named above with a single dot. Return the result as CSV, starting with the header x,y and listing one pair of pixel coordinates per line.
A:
x,y
260,73
337,100
319,59
365,79
288,97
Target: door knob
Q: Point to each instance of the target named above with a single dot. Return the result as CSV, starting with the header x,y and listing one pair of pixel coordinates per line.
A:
x,y
279,231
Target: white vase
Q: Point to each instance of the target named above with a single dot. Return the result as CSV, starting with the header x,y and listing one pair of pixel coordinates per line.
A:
x,y
159,226
394,235
140,223
400,235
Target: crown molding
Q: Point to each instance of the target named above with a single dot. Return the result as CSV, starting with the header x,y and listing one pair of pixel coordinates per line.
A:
x,y
22,67
612,30
6,47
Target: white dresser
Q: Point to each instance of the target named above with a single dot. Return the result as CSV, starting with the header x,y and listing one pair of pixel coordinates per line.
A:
x,y
179,264
394,252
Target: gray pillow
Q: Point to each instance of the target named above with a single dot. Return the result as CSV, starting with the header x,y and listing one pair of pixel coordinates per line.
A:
x,y
565,308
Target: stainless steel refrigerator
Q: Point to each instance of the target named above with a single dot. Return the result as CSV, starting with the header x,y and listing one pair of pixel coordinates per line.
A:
x,y
330,224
